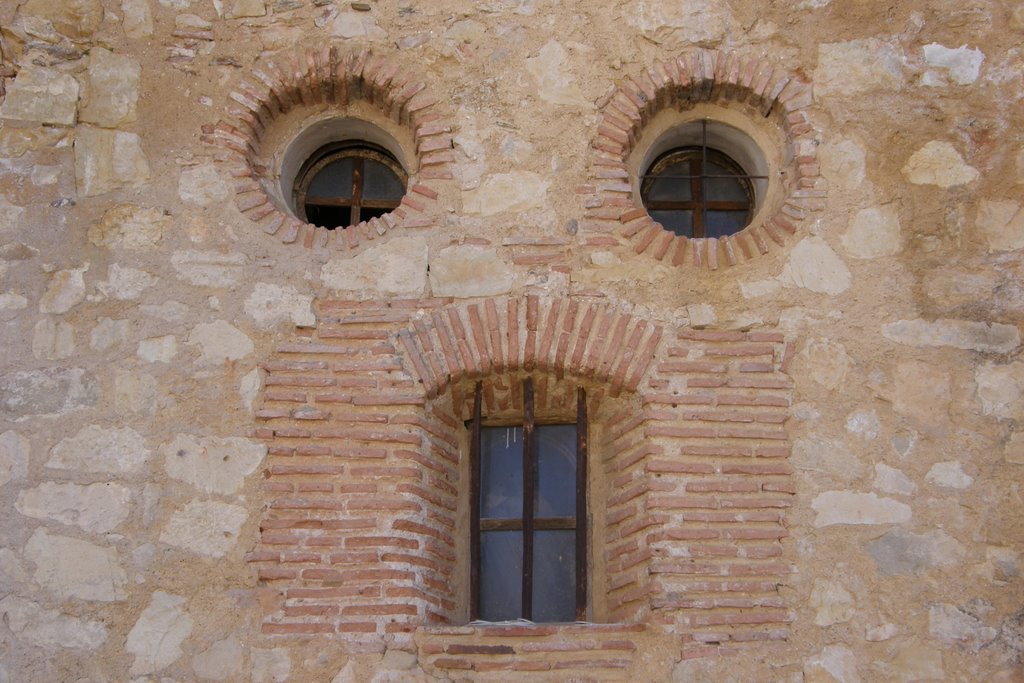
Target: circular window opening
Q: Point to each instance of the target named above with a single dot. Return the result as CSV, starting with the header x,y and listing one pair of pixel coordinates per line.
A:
x,y
345,183
703,178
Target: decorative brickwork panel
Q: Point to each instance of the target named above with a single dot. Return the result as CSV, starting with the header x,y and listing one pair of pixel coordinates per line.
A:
x,y
364,416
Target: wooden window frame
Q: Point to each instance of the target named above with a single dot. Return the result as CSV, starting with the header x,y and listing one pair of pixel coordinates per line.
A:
x,y
357,151
528,523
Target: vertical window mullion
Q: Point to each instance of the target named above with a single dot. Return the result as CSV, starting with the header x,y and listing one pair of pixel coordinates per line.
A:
x,y
474,506
581,504
529,481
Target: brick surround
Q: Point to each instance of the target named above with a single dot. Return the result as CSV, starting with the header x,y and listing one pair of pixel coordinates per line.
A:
x,y
365,483
727,78
331,76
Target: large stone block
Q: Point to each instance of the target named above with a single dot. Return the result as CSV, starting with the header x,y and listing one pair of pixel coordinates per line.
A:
x,y
212,464
118,450
219,341
271,304
514,192
14,453
41,95
874,232
71,568
96,508
857,66
112,89
1001,223
107,160
813,265
48,628
130,227
205,527
397,267
72,18
209,268
50,391
938,163
465,271
959,334
555,82
854,507
155,639
901,552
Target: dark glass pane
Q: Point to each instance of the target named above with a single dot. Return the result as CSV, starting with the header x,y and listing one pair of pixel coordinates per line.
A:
x,y
556,471
721,223
724,189
669,188
329,217
679,222
380,182
333,180
501,575
554,576
501,472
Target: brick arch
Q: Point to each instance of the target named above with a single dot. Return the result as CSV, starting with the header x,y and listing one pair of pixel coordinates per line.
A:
x,y
680,82
333,76
363,416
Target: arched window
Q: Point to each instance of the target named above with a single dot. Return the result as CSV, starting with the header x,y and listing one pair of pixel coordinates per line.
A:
x,y
347,182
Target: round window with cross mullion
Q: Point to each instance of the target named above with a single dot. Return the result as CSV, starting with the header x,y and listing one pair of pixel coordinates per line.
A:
x,y
698,192
343,184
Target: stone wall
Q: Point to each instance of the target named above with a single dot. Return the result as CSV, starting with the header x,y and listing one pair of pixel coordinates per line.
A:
x,y
231,444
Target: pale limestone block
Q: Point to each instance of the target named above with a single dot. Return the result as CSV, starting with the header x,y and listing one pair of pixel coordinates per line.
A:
x,y
833,458
1001,390
900,553
276,37
363,25
833,603
881,633
270,665
14,453
466,271
170,311
109,334
49,391
53,339
814,266
158,349
112,89
270,305
834,664
125,283
347,674
962,65
555,82
137,19
938,163
107,160
1001,222
915,662
759,288
71,568
209,268
842,162
12,569
212,464
138,393
219,662
826,361
249,388
701,315
953,626
96,508
1002,565
854,507
41,95
397,267
864,423
72,18
65,291
46,175
1013,450
202,185
11,217
951,288
118,450
49,629
219,341
891,480
247,8
126,226
959,334
874,232
855,67
513,192
205,527
949,475
681,24
155,639
922,391
11,306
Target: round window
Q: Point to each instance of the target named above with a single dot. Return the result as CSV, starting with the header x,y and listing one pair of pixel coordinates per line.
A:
x,y
345,183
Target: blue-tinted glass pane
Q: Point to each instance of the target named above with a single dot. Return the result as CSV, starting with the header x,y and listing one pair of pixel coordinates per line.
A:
x,y
333,180
720,223
501,575
679,222
556,471
501,472
671,184
380,182
554,576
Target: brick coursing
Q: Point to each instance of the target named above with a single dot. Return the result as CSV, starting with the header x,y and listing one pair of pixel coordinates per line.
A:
x,y
699,76
365,478
331,75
